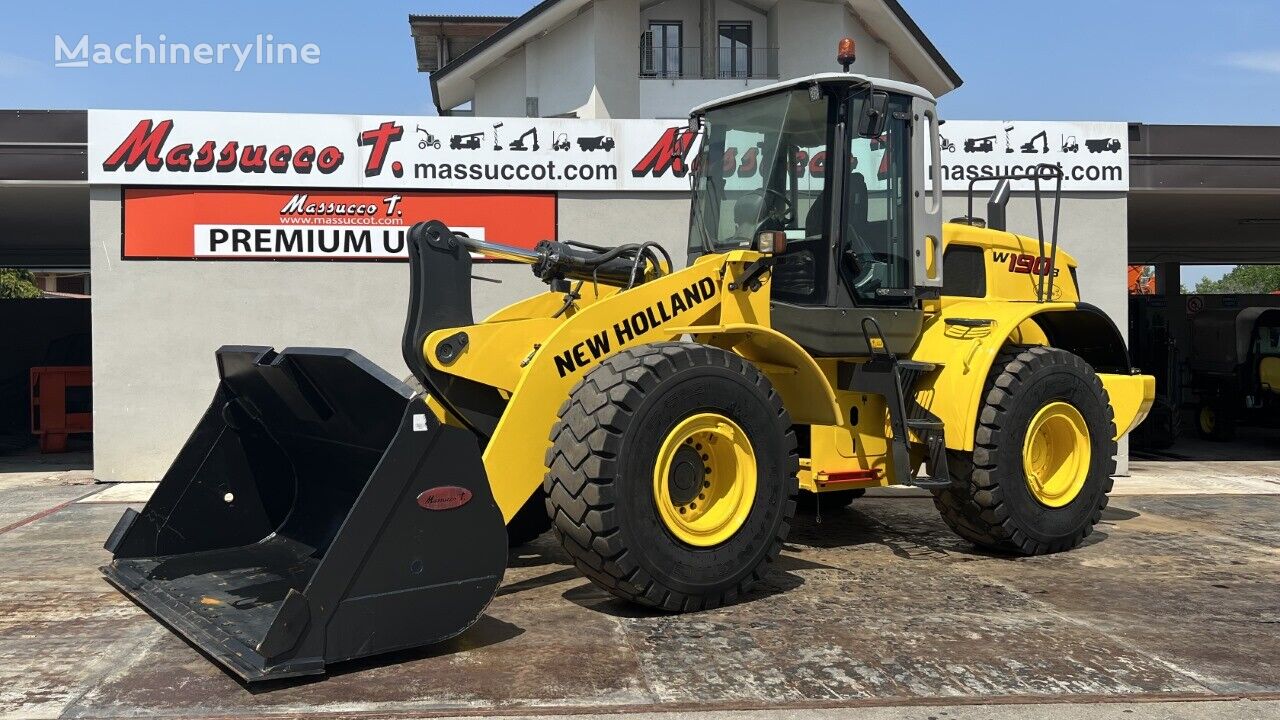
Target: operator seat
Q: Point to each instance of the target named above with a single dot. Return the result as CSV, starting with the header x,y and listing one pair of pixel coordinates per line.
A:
x,y
746,215
859,199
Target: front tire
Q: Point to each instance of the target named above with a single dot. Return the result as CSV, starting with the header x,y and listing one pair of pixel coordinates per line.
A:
x,y
1044,453
671,476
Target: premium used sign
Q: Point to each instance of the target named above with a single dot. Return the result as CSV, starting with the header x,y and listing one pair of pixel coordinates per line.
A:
x,y
364,151
267,224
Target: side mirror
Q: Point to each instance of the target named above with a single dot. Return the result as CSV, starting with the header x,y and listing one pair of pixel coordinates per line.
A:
x,y
875,113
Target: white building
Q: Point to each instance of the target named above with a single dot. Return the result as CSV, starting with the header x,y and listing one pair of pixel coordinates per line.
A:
x,y
646,59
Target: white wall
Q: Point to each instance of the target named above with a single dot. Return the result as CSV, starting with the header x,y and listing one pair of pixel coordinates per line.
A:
x,y
157,323
617,58
500,90
561,68
674,97
808,33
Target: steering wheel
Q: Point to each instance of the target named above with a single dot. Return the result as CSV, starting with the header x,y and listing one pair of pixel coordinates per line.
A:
x,y
779,214
860,262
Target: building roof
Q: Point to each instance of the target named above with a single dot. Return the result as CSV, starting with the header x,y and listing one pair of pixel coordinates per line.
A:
x,y
887,18
460,32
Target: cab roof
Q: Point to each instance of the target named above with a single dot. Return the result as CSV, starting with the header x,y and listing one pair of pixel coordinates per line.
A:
x,y
826,77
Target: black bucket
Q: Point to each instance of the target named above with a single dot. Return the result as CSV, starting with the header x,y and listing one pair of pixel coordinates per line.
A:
x,y
317,513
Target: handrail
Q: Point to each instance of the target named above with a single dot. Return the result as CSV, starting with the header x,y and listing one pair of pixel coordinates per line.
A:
x,y
1043,171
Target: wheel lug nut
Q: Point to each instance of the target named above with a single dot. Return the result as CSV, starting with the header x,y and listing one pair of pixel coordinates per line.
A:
x,y
701,496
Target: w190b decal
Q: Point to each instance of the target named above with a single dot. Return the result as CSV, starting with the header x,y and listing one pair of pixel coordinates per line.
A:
x,y
1025,263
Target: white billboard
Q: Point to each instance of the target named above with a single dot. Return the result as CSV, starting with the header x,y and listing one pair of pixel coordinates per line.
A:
x,y
374,151
1093,156
533,154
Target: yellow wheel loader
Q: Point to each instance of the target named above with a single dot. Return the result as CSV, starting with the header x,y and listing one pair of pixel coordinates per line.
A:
x,y
828,334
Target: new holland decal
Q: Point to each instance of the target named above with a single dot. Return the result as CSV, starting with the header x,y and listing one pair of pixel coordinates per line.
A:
x,y
630,329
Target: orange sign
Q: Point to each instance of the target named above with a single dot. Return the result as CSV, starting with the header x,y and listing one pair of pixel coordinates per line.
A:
x,y
325,225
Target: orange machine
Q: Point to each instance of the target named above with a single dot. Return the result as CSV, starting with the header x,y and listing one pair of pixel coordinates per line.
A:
x,y
57,407
1142,280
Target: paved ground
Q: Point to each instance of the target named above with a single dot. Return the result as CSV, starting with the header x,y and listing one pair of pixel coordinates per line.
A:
x,y
1176,598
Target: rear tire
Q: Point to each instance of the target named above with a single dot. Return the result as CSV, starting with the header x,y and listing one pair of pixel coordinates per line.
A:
x,y
993,501
602,482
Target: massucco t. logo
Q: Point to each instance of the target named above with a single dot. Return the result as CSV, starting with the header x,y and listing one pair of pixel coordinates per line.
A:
x,y
372,152
147,145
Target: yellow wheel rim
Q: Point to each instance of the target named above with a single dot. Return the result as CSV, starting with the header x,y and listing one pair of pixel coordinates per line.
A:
x,y
1207,420
1056,454
704,480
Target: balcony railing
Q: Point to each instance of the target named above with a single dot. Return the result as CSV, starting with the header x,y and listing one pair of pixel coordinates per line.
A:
x,y
727,62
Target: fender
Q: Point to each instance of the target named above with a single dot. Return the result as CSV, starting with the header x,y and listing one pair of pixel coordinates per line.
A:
x,y
805,390
543,359
965,338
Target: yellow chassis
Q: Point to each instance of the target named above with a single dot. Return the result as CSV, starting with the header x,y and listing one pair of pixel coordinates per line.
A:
x,y
536,359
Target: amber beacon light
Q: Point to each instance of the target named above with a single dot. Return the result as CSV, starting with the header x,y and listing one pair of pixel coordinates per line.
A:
x,y
845,53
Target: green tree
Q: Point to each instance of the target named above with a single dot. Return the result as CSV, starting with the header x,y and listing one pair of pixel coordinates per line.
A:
x,y
1244,279
16,283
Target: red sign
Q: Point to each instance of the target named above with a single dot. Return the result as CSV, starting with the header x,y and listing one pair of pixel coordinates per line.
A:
x,y
238,224
446,497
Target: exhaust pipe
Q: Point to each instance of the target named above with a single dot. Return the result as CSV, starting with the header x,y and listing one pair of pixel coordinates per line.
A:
x,y
997,206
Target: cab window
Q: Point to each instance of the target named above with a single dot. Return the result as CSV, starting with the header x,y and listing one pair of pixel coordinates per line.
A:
x,y
763,163
874,254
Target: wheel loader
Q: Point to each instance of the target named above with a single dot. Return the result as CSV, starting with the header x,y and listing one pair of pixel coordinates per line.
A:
x,y
827,334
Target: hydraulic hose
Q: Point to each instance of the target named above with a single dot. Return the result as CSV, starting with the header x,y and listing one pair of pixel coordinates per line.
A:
x,y
622,266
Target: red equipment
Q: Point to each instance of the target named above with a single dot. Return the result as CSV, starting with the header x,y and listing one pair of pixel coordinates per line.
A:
x,y
59,405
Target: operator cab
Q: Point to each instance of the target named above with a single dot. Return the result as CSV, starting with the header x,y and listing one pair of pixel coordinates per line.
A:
x,y
856,236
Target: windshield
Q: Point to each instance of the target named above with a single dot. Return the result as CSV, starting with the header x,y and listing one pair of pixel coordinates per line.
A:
x,y
744,186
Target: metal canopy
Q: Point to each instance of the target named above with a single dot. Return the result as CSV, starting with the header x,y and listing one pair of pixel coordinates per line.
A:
x,y
44,198
1204,194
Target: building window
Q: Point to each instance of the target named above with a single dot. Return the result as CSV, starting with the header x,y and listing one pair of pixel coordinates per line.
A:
x,y
734,58
661,50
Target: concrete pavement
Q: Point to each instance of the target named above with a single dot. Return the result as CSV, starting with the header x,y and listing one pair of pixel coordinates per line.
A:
x,y
877,611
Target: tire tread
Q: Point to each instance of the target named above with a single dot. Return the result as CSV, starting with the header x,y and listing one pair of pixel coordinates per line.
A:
x,y
973,506
583,457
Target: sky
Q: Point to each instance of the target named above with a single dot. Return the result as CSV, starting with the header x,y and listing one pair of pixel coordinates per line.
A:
x,y
1154,61
1170,61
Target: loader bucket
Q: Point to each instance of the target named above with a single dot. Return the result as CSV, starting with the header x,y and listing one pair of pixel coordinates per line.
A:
x,y
317,513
